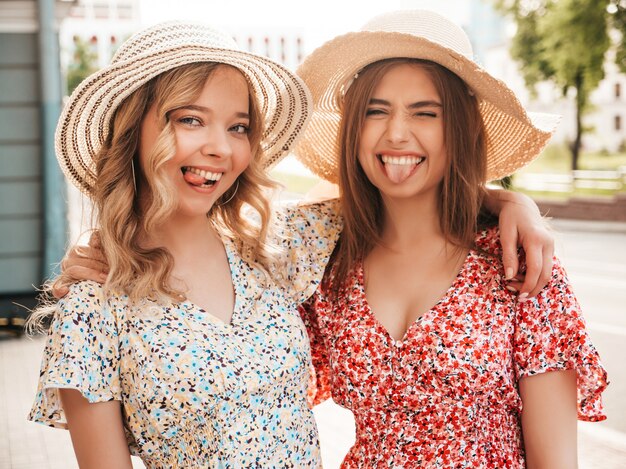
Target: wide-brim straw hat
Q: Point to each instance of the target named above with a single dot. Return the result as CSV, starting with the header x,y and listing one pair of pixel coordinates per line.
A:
x,y
514,137
85,120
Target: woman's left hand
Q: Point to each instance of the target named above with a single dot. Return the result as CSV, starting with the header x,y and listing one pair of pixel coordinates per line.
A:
x,y
521,224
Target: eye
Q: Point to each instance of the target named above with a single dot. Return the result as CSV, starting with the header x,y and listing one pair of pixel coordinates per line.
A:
x,y
375,112
190,121
240,129
426,114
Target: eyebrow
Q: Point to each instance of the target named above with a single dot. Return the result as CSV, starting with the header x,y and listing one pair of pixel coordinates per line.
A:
x,y
415,105
194,107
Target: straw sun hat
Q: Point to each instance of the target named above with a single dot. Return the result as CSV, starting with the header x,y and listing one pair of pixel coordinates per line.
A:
x,y
514,137
84,123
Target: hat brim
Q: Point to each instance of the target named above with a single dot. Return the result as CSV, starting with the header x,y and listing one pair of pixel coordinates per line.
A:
x,y
85,120
514,137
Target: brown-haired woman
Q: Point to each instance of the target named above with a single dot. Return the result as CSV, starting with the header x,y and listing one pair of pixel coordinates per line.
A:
x,y
414,328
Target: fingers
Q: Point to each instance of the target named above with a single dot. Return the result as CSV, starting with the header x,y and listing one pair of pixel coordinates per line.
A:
x,y
85,256
94,240
546,272
60,289
74,274
77,273
92,252
539,248
508,239
538,269
80,263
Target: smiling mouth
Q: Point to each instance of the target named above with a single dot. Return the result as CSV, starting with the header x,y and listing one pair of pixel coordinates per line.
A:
x,y
399,168
199,177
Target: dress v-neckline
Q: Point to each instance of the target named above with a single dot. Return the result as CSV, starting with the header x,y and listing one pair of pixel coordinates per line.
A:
x,y
360,278
244,284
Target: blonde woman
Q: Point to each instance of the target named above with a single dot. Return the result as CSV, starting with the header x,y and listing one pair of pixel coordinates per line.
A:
x,y
414,328
191,354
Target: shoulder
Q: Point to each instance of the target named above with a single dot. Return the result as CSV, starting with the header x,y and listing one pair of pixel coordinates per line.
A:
x,y
321,209
310,219
89,299
488,241
85,292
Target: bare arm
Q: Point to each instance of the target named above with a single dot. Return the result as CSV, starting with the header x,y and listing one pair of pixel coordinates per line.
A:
x,y
521,224
97,432
549,419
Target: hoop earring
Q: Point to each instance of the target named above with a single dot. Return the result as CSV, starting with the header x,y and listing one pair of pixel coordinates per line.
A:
x,y
232,195
132,167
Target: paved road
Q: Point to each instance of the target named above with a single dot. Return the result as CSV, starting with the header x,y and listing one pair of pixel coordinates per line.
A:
x,y
595,258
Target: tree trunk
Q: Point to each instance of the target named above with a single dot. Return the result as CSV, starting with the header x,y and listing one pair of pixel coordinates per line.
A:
x,y
580,104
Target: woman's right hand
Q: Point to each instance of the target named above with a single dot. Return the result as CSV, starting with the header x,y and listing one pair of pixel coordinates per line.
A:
x,y
81,263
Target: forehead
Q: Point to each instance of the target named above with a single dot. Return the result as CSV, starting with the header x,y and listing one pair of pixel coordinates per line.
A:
x,y
406,79
224,75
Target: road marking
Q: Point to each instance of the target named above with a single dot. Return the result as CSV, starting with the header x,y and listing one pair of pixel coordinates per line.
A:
x,y
607,328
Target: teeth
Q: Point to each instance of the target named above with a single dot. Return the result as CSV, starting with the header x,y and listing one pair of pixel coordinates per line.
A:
x,y
205,174
402,159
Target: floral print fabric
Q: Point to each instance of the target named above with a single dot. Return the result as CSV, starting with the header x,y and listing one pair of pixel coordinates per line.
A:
x,y
446,395
195,391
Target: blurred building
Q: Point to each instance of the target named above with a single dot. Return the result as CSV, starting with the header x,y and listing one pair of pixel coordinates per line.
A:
x,y
103,24
100,26
282,45
491,33
32,201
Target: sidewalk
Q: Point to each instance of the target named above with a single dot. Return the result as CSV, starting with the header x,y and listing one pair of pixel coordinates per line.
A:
x,y
25,445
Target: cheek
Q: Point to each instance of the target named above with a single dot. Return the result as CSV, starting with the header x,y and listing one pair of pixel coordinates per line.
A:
x,y
243,157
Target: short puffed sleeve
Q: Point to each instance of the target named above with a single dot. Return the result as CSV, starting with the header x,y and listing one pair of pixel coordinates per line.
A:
x,y
82,353
308,233
550,335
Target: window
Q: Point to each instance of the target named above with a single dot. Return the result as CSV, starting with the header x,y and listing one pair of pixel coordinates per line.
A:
x,y
618,90
618,122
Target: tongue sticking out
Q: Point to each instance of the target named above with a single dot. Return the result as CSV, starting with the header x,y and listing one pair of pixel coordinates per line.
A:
x,y
399,172
193,179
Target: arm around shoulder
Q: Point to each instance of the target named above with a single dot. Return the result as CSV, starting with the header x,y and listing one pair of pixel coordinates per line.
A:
x,y
521,224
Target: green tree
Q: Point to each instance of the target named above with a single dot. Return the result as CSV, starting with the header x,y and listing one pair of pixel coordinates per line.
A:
x,y
82,65
565,41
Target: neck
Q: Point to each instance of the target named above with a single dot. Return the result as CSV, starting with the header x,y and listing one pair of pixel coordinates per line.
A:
x,y
412,222
185,237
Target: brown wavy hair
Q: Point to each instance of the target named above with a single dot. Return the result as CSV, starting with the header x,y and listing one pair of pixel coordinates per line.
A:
x,y
461,190
142,272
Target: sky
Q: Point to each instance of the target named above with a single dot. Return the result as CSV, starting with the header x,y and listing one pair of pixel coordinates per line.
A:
x,y
317,21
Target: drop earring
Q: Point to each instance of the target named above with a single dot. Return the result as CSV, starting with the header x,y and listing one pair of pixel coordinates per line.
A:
x,y
132,167
232,195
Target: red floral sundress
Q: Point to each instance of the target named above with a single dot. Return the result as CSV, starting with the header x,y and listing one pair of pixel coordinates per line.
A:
x,y
447,395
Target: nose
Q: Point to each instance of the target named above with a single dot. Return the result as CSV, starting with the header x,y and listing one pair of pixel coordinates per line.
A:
x,y
216,143
397,129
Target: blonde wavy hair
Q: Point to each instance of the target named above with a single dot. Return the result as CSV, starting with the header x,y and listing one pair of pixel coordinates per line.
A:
x,y
123,222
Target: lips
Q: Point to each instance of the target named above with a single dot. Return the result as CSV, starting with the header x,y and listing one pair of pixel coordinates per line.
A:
x,y
399,167
200,177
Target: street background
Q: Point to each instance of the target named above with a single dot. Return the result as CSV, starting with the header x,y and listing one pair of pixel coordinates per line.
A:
x,y
593,252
